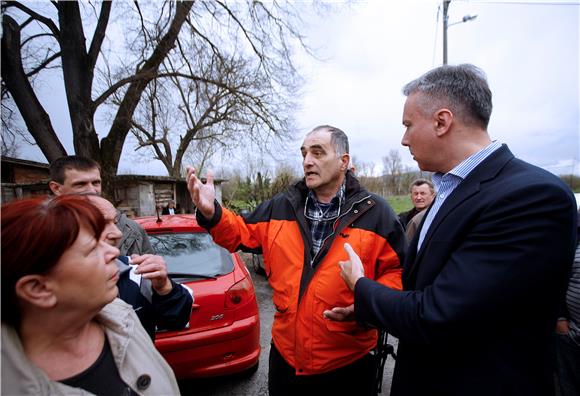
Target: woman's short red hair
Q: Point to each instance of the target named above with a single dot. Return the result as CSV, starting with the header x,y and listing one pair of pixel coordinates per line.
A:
x,y
35,234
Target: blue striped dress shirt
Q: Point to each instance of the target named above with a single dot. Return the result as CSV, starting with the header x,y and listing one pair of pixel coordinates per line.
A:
x,y
446,183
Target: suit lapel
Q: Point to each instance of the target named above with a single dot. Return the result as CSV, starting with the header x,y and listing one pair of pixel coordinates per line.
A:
x,y
464,191
469,187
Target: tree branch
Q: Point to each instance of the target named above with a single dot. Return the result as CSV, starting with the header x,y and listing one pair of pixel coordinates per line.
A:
x,y
40,18
113,142
145,33
35,117
241,26
34,36
148,76
99,34
206,39
44,64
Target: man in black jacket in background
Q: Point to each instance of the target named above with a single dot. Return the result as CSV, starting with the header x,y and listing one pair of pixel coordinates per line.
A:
x,y
158,301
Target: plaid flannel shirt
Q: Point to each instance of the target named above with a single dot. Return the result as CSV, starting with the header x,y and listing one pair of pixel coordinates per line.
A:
x,y
320,217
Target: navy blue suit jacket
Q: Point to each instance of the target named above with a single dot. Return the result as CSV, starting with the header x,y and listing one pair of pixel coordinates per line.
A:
x,y
480,298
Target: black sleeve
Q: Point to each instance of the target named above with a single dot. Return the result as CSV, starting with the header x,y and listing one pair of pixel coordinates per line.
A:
x,y
209,223
489,276
172,311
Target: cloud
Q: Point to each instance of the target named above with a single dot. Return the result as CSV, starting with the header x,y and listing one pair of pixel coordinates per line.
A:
x,y
529,52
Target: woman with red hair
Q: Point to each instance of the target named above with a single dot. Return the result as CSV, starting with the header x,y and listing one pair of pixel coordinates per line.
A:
x,y
63,330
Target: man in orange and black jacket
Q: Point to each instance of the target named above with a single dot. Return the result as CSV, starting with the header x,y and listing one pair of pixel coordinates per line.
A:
x,y
316,344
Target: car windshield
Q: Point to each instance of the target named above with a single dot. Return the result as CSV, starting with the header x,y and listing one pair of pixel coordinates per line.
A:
x,y
192,254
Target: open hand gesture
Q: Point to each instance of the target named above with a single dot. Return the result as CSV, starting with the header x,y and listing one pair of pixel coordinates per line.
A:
x,y
202,195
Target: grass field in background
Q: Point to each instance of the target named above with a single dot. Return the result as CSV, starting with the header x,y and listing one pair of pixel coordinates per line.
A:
x,y
400,203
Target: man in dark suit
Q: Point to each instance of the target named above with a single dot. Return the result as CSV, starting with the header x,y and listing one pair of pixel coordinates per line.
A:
x,y
488,266
169,209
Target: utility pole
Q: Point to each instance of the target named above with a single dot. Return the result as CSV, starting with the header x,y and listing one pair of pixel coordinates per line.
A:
x,y
445,21
446,25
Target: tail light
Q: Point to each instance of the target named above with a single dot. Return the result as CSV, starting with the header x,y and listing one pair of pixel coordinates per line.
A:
x,y
239,294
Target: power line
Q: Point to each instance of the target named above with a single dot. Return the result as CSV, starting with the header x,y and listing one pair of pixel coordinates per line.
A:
x,y
524,2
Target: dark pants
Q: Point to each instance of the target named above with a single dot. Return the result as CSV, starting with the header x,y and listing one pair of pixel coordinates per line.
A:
x,y
568,366
357,378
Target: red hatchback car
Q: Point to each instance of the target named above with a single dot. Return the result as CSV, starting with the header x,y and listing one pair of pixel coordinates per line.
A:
x,y
223,336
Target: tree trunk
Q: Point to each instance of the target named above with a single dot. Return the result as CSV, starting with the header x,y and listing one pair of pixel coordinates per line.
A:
x,y
112,144
108,176
37,120
78,77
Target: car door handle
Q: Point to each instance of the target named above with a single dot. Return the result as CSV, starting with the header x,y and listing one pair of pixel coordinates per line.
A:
x,y
195,306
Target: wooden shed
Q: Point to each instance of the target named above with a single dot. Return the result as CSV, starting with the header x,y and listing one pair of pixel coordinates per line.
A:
x,y
137,195
23,178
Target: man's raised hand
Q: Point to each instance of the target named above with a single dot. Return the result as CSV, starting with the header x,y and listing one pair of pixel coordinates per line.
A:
x,y
202,195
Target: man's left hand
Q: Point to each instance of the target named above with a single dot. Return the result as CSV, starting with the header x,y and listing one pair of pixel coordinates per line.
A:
x,y
340,314
154,268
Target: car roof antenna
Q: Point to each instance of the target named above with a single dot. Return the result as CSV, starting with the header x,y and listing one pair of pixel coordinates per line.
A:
x,y
158,217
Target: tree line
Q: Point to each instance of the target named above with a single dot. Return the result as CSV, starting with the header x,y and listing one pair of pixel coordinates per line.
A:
x,y
246,189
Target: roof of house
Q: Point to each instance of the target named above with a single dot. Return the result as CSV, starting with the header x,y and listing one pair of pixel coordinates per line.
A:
x,y
126,177
18,161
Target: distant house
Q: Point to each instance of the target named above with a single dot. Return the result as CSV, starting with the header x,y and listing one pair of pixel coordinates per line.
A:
x,y
137,195
23,178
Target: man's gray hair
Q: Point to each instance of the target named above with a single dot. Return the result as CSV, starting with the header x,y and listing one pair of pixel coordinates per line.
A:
x,y
463,89
338,138
420,182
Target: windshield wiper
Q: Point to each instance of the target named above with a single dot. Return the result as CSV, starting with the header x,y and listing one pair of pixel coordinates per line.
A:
x,y
189,275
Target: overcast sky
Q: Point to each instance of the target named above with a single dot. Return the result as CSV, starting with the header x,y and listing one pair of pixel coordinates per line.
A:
x,y
529,50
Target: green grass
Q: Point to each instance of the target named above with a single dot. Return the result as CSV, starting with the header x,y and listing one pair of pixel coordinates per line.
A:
x,y
400,203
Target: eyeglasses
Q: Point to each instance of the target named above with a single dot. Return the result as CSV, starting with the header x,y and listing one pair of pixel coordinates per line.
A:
x,y
322,218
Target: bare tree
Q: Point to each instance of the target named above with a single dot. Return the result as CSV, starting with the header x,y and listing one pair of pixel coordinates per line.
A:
x,y
200,154
392,170
151,42
12,134
363,168
235,107
285,176
65,42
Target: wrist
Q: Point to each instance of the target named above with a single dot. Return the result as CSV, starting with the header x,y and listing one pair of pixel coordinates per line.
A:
x,y
208,214
164,289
